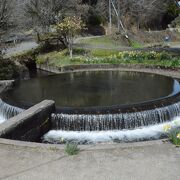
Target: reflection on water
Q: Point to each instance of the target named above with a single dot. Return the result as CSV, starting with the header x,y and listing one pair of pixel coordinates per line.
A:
x,y
100,88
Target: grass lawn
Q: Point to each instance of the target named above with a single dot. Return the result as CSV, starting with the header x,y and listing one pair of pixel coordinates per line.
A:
x,y
59,59
103,41
107,42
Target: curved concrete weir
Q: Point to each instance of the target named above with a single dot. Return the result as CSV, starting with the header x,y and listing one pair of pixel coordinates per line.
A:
x,y
115,104
87,137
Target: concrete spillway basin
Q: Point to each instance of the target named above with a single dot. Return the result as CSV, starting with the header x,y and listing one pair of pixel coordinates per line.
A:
x,y
98,106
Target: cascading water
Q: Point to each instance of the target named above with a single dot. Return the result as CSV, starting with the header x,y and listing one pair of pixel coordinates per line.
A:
x,y
139,134
7,111
120,121
145,125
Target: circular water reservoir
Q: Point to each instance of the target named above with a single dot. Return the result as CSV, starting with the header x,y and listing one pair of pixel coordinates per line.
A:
x,y
93,89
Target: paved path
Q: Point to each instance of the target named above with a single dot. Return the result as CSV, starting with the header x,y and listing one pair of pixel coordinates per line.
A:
x,y
22,47
159,161
175,45
28,45
78,40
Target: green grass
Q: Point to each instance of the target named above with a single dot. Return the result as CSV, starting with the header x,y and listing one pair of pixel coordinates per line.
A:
x,y
62,58
72,149
59,59
136,44
104,41
107,41
103,52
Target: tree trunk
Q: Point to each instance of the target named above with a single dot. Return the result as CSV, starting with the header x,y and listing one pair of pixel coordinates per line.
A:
x,y
71,53
38,37
70,50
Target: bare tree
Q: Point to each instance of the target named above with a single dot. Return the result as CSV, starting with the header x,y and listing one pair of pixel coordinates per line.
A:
x,y
45,13
144,11
5,14
5,22
138,13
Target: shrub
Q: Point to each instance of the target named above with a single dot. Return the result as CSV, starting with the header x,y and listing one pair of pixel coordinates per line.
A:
x,y
8,70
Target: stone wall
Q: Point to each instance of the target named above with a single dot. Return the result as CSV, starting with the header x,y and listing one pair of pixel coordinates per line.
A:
x,y
29,125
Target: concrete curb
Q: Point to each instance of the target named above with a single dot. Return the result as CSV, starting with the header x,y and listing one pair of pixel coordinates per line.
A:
x,y
91,147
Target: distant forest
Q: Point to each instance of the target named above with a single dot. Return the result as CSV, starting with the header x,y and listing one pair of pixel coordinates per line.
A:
x,y
41,14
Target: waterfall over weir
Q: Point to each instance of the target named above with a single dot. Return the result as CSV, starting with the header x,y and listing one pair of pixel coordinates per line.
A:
x,y
7,111
86,137
67,122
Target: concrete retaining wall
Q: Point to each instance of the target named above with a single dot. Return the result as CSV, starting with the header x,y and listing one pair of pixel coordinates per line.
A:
x,y
49,68
30,125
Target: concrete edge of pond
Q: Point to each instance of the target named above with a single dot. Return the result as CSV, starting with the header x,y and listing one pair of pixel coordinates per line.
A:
x,y
122,67
90,147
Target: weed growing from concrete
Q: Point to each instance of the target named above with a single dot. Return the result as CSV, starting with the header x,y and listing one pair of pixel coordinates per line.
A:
x,y
72,149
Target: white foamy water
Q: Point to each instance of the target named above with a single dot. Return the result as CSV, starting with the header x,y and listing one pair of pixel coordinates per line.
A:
x,y
144,133
7,111
2,119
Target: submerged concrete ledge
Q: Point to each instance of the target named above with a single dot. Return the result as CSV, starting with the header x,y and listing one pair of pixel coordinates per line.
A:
x,y
29,125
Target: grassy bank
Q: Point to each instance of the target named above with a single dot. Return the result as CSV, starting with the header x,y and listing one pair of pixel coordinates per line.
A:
x,y
97,56
104,41
108,42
